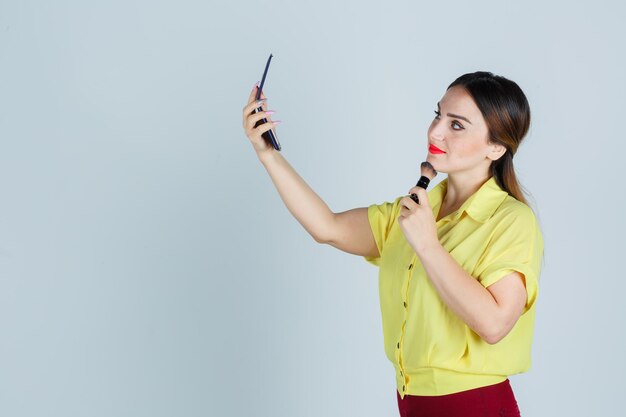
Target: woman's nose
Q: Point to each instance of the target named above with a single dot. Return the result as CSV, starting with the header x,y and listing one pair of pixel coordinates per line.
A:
x,y
437,133
436,136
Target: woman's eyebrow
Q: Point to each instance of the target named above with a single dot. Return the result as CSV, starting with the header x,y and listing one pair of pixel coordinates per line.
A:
x,y
455,115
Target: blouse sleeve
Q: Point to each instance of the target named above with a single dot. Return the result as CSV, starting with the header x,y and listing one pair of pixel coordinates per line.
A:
x,y
381,218
516,245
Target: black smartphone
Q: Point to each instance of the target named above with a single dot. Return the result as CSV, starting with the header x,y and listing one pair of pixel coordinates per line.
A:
x,y
269,136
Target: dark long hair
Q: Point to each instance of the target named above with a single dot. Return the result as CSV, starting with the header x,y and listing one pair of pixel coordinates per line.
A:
x,y
507,114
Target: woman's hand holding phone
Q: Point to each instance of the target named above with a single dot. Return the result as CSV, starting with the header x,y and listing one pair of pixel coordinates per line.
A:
x,y
250,118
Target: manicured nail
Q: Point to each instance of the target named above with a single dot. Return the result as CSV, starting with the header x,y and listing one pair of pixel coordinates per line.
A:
x,y
276,122
270,112
255,84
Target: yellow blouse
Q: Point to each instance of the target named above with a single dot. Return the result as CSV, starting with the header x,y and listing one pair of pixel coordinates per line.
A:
x,y
433,351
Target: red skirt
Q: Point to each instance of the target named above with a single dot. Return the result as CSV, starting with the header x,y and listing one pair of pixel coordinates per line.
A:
x,y
493,400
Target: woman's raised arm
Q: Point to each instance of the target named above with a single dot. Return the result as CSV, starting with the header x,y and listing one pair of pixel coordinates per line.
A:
x,y
349,231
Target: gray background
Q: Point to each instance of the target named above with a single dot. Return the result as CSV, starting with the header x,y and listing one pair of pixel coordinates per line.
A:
x,y
149,268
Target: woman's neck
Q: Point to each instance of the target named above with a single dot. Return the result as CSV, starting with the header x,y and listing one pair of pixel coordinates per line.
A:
x,y
460,188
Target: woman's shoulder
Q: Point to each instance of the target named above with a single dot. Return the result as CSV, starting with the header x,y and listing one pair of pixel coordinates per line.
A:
x,y
514,221
512,211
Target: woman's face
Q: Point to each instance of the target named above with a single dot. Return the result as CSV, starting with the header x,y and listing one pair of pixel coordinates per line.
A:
x,y
459,130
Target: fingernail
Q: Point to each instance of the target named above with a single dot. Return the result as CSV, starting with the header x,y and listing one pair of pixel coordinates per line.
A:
x,y
255,84
270,112
276,122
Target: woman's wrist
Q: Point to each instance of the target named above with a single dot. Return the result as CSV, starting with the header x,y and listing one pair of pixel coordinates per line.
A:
x,y
266,155
428,247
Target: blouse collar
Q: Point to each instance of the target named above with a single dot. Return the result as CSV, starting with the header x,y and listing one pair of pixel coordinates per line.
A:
x,y
480,206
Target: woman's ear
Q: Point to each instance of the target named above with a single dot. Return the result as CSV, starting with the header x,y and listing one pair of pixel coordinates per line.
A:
x,y
497,150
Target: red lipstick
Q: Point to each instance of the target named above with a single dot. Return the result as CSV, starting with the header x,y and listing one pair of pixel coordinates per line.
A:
x,y
433,149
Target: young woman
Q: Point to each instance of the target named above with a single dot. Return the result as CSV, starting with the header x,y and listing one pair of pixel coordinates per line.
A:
x,y
459,271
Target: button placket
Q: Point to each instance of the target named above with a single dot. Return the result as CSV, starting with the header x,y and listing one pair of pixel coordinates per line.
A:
x,y
406,291
404,304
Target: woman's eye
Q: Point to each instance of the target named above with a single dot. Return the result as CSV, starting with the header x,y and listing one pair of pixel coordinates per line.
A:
x,y
454,122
